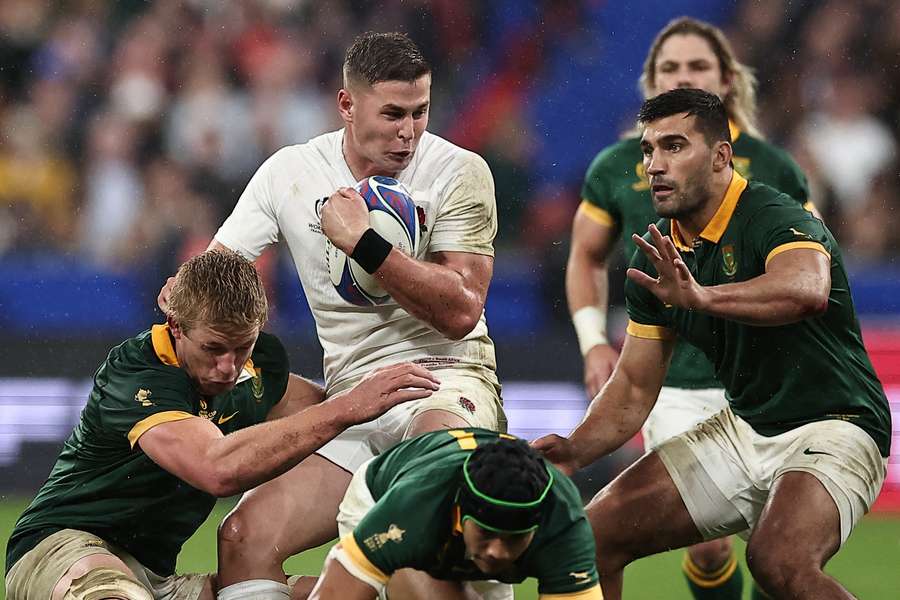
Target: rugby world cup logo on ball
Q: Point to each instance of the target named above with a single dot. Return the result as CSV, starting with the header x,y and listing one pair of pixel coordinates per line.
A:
x,y
392,214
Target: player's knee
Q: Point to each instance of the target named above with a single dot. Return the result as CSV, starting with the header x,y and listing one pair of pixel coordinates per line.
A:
x,y
779,569
105,583
711,555
613,546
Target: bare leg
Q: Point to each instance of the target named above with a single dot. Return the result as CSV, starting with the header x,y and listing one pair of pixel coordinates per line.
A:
x,y
290,514
797,533
434,420
639,513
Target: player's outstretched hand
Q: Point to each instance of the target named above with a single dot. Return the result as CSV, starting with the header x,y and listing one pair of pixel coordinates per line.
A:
x,y
558,450
675,285
163,299
599,363
382,389
345,218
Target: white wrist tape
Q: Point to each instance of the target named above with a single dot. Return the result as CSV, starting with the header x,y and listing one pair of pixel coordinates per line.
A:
x,y
590,327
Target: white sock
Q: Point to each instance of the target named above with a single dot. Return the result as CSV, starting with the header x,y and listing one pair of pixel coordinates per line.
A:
x,y
259,589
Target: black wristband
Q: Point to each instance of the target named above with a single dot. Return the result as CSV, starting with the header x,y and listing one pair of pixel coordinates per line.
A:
x,y
371,250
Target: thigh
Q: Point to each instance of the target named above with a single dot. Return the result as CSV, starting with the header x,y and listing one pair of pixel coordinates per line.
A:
x,y
640,513
799,523
49,568
464,400
841,456
295,511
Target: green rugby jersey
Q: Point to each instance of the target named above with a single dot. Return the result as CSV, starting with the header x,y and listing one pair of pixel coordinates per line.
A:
x,y
776,378
104,484
416,522
616,193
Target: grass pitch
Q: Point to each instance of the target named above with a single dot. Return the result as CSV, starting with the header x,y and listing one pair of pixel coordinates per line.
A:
x,y
867,565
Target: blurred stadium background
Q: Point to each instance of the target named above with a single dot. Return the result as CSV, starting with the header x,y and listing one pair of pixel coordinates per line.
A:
x,y
128,129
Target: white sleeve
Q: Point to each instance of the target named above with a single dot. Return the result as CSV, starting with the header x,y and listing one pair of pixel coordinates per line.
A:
x,y
467,221
253,224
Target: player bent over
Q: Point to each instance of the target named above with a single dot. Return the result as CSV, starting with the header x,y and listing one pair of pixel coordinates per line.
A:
x,y
199,408
475,509
744,273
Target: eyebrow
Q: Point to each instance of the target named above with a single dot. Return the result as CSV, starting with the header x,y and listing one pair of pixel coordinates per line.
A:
x,y
669,137
403,109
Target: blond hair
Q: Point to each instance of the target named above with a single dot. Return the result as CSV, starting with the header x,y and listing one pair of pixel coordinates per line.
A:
x,y
740,102
220,289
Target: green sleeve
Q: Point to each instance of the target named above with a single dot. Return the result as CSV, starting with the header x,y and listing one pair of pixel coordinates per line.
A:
x,y
570,563
128,399
784,227
597,188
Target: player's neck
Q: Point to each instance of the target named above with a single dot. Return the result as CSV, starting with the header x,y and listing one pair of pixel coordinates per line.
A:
x,y
691,226
360,167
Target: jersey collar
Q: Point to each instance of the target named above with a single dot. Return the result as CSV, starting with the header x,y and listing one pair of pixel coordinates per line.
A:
x,y
719,223
165,351
162,345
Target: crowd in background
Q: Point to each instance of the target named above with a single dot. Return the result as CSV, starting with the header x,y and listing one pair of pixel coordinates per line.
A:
x,y
128,129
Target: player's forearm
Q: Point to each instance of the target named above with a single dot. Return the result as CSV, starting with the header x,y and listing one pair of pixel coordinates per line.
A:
x,y
614,416
768,300
587,283
433,293
246,458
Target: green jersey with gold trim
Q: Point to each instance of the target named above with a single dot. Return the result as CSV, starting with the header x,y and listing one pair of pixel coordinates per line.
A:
x,y
775,378
104,484
616,193
415,521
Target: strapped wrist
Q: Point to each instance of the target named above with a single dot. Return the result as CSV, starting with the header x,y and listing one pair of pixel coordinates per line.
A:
x,y
371,251
590,327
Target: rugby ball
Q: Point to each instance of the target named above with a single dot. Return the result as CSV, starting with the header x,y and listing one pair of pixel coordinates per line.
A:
x,y
392,214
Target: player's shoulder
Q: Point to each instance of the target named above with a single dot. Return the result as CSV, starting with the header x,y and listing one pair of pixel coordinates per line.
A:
x,y
322,149
436,154
270,352
146,361
751,144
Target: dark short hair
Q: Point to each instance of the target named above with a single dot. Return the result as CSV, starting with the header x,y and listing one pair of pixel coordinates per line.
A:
x,y
711,118
375,57
509,470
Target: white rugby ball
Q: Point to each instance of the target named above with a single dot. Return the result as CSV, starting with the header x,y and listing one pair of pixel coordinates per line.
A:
x,y
393,215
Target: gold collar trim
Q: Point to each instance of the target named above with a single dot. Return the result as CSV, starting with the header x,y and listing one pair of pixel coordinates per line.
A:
x,y
719,223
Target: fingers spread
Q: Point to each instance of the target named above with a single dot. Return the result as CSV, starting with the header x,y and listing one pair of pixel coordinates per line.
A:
x,y
641,278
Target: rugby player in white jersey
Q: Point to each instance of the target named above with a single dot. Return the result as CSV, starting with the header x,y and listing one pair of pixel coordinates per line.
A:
x,y
304,193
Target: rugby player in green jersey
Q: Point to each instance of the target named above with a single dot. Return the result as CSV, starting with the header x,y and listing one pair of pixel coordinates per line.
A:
x,y
201,407
475,509
616,204
741,271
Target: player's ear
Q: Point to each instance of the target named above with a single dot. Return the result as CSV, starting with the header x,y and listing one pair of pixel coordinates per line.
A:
x,y
175,328
721,156
345,105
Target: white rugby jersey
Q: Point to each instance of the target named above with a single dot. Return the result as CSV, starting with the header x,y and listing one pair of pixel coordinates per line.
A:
x,y
453,187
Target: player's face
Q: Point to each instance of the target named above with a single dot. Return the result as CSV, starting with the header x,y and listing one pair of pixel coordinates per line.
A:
x,y
688,61
492,552
678,163
213,358
384,123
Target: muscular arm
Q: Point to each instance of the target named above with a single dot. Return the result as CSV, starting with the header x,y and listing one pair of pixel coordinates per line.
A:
x,y
618,411
622,406
795,286
197,452
448,292
587,286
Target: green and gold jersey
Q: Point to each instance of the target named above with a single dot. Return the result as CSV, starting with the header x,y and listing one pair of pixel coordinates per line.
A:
x,y
416,522
776,378
104,484
616,193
